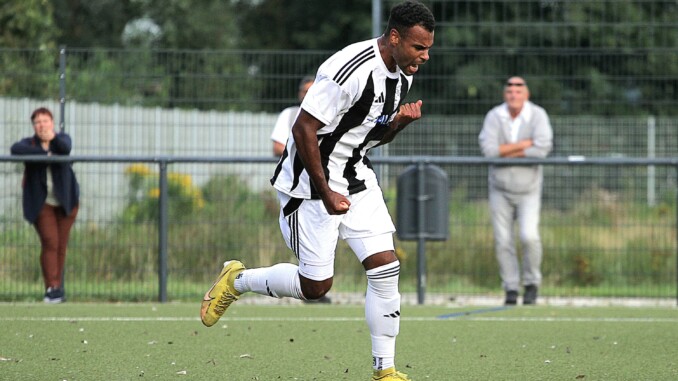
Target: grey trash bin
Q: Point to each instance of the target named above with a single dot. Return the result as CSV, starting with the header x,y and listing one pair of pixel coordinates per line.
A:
x,y
435,200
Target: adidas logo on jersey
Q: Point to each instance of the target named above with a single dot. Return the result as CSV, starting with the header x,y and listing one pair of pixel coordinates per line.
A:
x,y
380,98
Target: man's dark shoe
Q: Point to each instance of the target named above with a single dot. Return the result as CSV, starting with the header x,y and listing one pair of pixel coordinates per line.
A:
x,y
511,298
530,296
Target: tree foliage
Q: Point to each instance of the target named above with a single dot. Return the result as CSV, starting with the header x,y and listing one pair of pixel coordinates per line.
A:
x,y
28,23
290,24
580,57
188,24
93,23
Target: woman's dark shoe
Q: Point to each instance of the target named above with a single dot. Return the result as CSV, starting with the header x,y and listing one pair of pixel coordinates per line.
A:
x,y
54,295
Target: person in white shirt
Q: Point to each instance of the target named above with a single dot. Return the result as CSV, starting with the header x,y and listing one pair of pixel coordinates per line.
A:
x,y
283,125
517,128
281,133
327,188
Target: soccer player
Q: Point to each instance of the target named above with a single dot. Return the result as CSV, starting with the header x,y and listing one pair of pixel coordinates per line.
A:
x,y
327,188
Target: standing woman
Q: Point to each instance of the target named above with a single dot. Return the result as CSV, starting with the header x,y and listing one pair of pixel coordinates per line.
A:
x,y
50,198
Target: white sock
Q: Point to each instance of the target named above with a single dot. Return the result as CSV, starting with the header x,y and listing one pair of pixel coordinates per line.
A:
x,y
276,281
382,312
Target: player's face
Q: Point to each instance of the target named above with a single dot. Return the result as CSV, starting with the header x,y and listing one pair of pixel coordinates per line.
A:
x,y
412,48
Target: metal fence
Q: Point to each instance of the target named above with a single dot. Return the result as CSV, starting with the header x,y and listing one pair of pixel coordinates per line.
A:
x,y
171,236
118,130
605,70
455,81
608,229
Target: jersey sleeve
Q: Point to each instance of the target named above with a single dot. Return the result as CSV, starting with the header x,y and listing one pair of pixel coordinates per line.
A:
x,y
326,99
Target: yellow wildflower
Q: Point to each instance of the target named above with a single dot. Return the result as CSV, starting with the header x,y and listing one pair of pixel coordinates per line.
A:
x,y
138,169
154,193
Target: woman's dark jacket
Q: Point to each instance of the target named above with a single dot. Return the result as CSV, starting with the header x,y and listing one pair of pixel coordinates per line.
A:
x,y
66,188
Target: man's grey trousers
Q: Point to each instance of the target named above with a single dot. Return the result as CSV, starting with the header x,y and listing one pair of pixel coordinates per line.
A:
x,y
523,208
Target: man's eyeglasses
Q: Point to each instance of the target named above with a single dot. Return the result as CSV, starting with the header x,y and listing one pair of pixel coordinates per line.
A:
x,y
509,84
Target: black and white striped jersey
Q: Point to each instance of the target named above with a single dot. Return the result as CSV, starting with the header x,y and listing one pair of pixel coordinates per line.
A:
x,y
356,97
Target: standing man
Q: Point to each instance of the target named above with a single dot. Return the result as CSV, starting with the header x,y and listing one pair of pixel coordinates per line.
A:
x,y
517,128
283,125
327,188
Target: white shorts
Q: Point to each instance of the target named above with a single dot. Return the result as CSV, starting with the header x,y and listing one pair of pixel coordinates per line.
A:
x,y
312,233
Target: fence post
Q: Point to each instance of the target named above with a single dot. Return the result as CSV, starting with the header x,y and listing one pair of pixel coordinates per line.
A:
x,y
651,133
376,18
62,87
421,240
162,234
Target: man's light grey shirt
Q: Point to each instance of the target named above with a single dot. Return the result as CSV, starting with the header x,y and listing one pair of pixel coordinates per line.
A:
x,y
497,131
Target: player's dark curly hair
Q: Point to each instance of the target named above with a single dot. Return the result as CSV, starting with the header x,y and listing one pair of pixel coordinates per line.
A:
x,y
408,14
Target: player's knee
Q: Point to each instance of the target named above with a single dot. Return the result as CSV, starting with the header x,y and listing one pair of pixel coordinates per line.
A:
x,y
313,289
380,259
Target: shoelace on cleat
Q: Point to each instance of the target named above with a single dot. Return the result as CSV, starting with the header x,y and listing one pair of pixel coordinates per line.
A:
x,y
223,302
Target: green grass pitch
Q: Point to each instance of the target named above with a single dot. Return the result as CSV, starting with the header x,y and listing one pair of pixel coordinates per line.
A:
x,y
75,341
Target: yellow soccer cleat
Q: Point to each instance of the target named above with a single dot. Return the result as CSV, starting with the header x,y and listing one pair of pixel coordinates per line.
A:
x,y
389,374
222,293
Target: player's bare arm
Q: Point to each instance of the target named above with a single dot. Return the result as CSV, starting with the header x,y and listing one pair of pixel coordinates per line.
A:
x,y
304,132
408,113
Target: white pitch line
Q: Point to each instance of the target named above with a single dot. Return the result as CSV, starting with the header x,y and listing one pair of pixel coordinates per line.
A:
x,y
341,319
578,320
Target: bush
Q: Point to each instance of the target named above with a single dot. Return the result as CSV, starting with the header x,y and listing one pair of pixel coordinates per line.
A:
x,y
144,193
